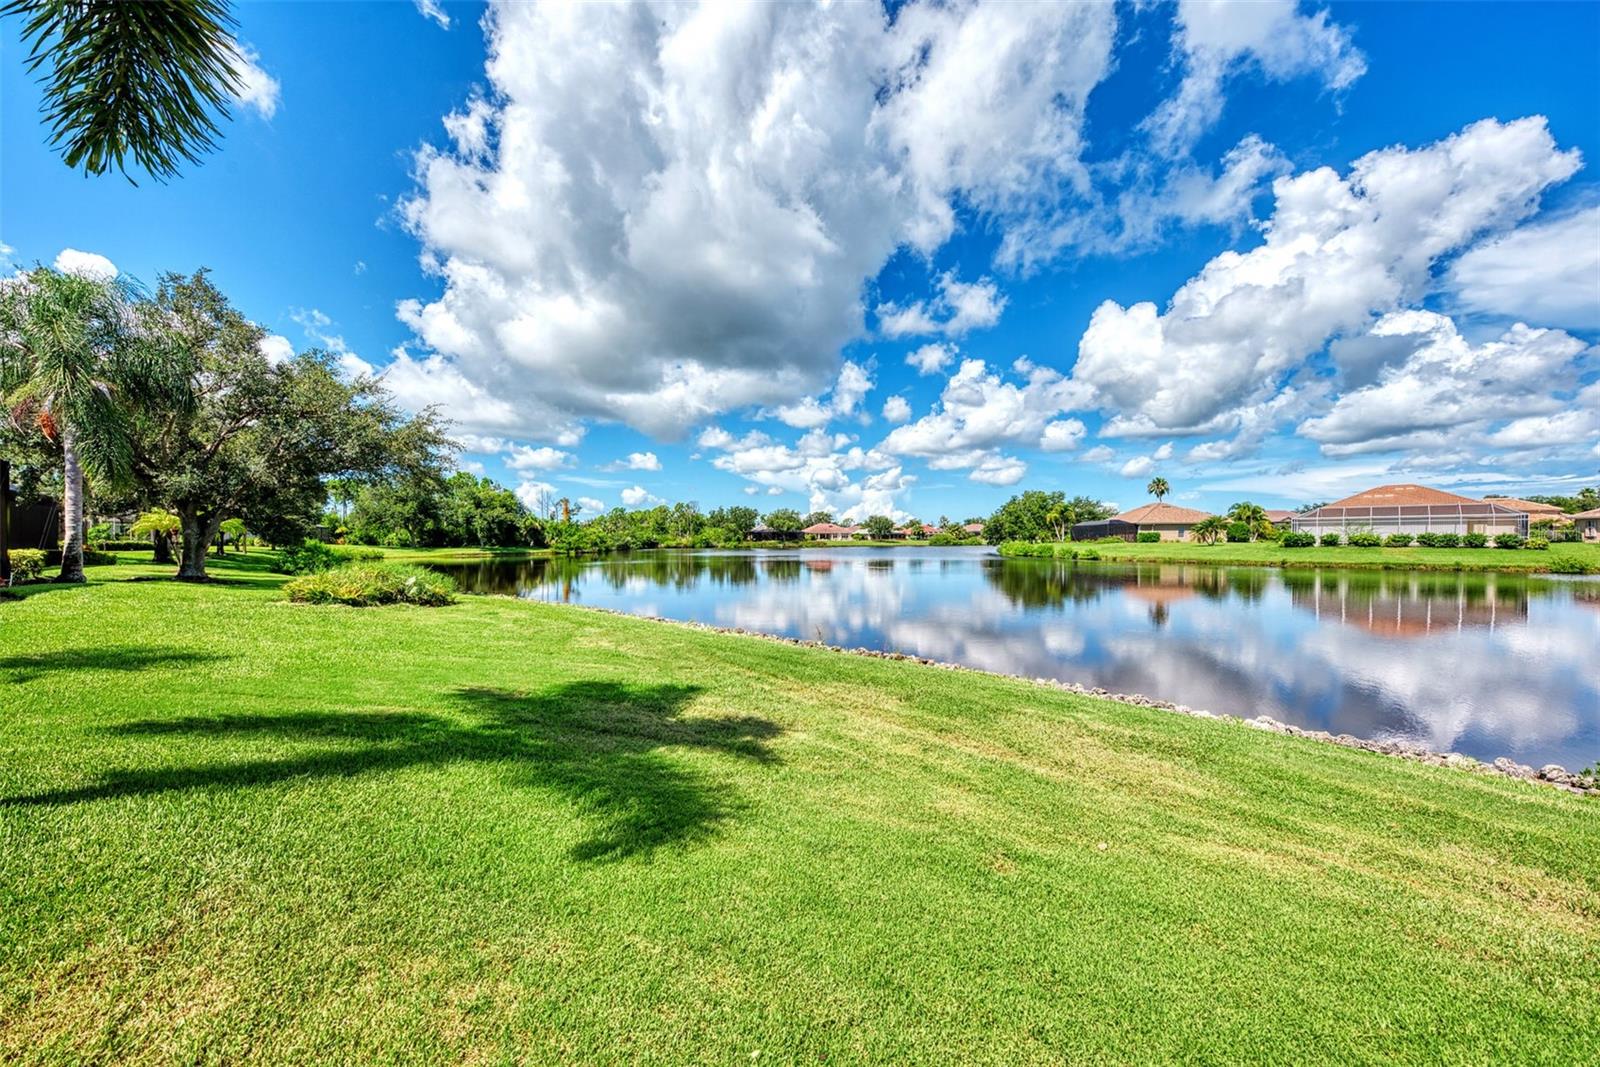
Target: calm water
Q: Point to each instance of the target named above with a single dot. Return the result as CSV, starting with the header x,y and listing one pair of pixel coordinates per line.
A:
x,y
1489,665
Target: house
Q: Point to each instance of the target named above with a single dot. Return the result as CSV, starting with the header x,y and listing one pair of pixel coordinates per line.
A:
x,y
973,528
1170,521
1587,524
1411,509
920,530
1535,511
829,531
1279,516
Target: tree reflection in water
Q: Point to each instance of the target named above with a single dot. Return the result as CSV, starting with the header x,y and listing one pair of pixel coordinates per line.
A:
x,y
1490,664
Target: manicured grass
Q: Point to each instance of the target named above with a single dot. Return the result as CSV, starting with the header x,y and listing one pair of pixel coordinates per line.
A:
x,y
1272,554
234,828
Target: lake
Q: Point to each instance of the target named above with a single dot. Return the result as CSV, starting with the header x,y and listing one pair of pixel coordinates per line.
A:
x,y
1485,664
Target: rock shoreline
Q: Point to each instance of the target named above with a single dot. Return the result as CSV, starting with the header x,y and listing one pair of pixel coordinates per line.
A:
x,y
1550,774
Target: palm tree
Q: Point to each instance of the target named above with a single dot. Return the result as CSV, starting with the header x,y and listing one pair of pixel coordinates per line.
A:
x,y
1209,529
1158,488
1252,515
142,79
74,363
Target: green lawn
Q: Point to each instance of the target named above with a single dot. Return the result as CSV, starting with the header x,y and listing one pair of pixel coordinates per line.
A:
x,y
1272,554
233,828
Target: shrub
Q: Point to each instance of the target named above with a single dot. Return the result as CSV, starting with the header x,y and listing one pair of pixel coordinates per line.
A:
x,y
1538,544
1449,540
91,558
1570,565
1148,537
1399,540
1238,531
1297,539
370,584
1330,540
1508,540
1364,539
27,564
1475,540
314,557
99,533
126,544
1429,540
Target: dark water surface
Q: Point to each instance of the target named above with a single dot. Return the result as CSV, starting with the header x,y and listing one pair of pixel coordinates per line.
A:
x,y
1485,664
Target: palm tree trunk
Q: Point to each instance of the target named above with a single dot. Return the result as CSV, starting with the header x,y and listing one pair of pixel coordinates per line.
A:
x,y
71,508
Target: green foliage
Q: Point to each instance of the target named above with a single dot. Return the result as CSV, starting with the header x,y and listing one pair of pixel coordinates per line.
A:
x,y
1027,516
314,557
1474,540
156,521
1398,540
146,80
1572,565
1330,540
1508,540
98,533
741,520
1363,539
27,564
815,518
785,521
123,544
879,527
1158,488
93,558
1148,537
373,584
1538,544
1209,530
1439,540
1239,531
1299,539
1587,500
950,539
259,440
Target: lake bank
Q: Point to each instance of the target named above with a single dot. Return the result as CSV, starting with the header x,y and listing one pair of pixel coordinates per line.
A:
x,y
1560,557
1487,664
511,825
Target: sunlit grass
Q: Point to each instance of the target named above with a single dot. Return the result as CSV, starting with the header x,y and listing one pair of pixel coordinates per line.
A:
x,y
1270,553
236,828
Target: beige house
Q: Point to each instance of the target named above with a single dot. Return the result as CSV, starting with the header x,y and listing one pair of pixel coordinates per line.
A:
x,y
1587,524
1168,520
1412,509
829,531
1535,511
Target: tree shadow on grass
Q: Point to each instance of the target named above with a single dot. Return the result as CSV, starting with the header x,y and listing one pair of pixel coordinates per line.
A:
x,y
27,666
605,746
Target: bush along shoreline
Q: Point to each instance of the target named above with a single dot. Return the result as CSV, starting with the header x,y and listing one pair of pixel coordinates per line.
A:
x,y
1582,783
1359,552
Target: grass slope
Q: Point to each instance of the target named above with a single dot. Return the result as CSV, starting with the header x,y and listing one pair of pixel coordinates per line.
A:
x,y
1272,554
238,829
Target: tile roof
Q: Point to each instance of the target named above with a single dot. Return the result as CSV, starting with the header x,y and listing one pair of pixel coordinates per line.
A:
x,y
828,528
1532,507
1388,496
1592,513
1162,514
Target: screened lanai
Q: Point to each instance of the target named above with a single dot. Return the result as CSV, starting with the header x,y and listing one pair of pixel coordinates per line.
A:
x,y
1411,509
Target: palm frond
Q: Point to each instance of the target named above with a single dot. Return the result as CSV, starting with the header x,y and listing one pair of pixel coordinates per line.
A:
x,y
145,80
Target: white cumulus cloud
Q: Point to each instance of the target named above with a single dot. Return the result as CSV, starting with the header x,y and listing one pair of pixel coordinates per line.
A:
x,y
660,213
1546,272
85,264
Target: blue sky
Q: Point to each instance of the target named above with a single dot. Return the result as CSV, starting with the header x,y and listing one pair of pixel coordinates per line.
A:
x,y
913,261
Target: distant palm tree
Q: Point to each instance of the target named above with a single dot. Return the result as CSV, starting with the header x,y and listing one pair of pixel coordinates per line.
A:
x,y
1252,515
75,363
1158,488
1209,529
146,80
